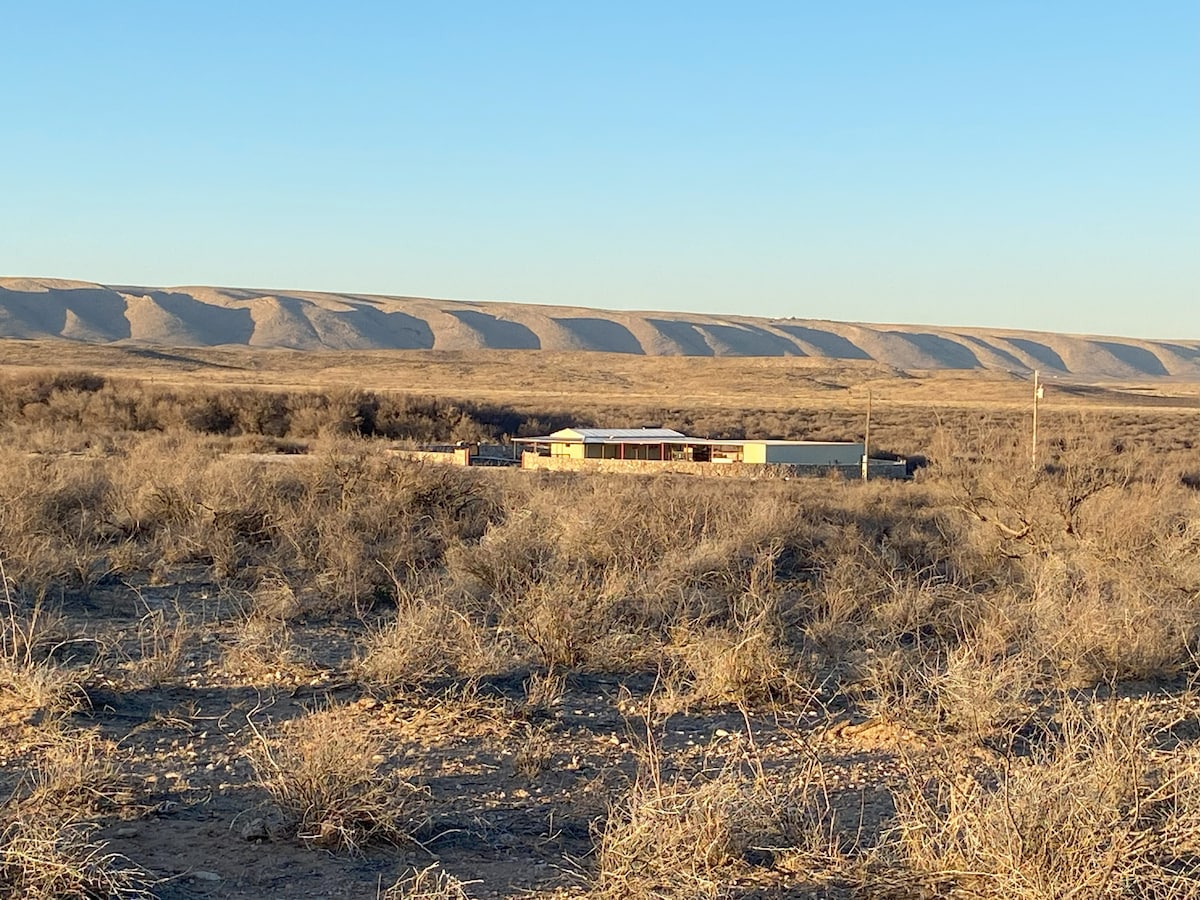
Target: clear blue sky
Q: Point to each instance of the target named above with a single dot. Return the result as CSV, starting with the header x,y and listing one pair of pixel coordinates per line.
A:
x,y
1023,164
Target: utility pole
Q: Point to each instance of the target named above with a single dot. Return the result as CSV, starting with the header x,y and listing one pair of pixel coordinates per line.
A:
x,y
1037,395
866,457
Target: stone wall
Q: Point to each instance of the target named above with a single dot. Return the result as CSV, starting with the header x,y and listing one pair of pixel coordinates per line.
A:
x,y
460,456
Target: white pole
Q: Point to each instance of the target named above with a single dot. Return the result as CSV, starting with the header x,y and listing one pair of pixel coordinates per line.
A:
x,y
867,440
1037,395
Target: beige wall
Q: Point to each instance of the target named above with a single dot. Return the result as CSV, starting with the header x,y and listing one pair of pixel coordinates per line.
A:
x,y
460,456
754,453
566,451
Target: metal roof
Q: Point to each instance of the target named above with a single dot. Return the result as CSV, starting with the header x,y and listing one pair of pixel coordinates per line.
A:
x,y
619,434
610,435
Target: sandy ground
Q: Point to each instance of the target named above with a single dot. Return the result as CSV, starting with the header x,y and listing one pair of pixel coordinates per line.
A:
x,y
512,797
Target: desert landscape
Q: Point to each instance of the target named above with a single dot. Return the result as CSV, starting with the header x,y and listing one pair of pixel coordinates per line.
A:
x,y
610,451
249,650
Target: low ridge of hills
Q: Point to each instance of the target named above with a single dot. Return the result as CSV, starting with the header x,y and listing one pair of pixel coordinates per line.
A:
x,y
44,308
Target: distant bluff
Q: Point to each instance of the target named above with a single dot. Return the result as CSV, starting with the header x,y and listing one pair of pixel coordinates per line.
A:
x,y
43,308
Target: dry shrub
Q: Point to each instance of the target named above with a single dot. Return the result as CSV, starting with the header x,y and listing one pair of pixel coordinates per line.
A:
x,y
1096,811
430,883
984,692
569,624
746,665
1097,625
687,837
869,595
1098,552
534,751
30,679
44,859
348,521
263,649
982,688
319,534
55,524
894,684
425,641
331,775
47,850
544,694
595,572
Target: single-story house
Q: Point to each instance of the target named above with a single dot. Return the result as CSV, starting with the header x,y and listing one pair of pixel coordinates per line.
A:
x,y
668,445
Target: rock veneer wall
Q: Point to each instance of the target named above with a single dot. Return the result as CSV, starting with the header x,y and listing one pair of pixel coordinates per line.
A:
x,y
459,456
703,469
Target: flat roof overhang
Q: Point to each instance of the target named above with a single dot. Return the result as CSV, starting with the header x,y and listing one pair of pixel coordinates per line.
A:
x,y
599,440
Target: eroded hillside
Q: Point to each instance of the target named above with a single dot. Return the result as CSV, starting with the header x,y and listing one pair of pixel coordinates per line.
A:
x,y
302,320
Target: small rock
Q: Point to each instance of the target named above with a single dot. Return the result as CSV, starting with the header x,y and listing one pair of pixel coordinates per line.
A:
x,y
201,875
255,830
125,832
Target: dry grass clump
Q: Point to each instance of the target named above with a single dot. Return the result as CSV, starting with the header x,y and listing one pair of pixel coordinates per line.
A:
x,y
688,836
331,774
262,650
738,664
163,638
430,883
31,681
1100,622
424,642
76,772
261,647
534,751
44,859
53,528
544,694
986,692
977,689
47,850
1095,811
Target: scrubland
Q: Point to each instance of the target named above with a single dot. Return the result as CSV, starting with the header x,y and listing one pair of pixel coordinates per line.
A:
x,y
247,651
